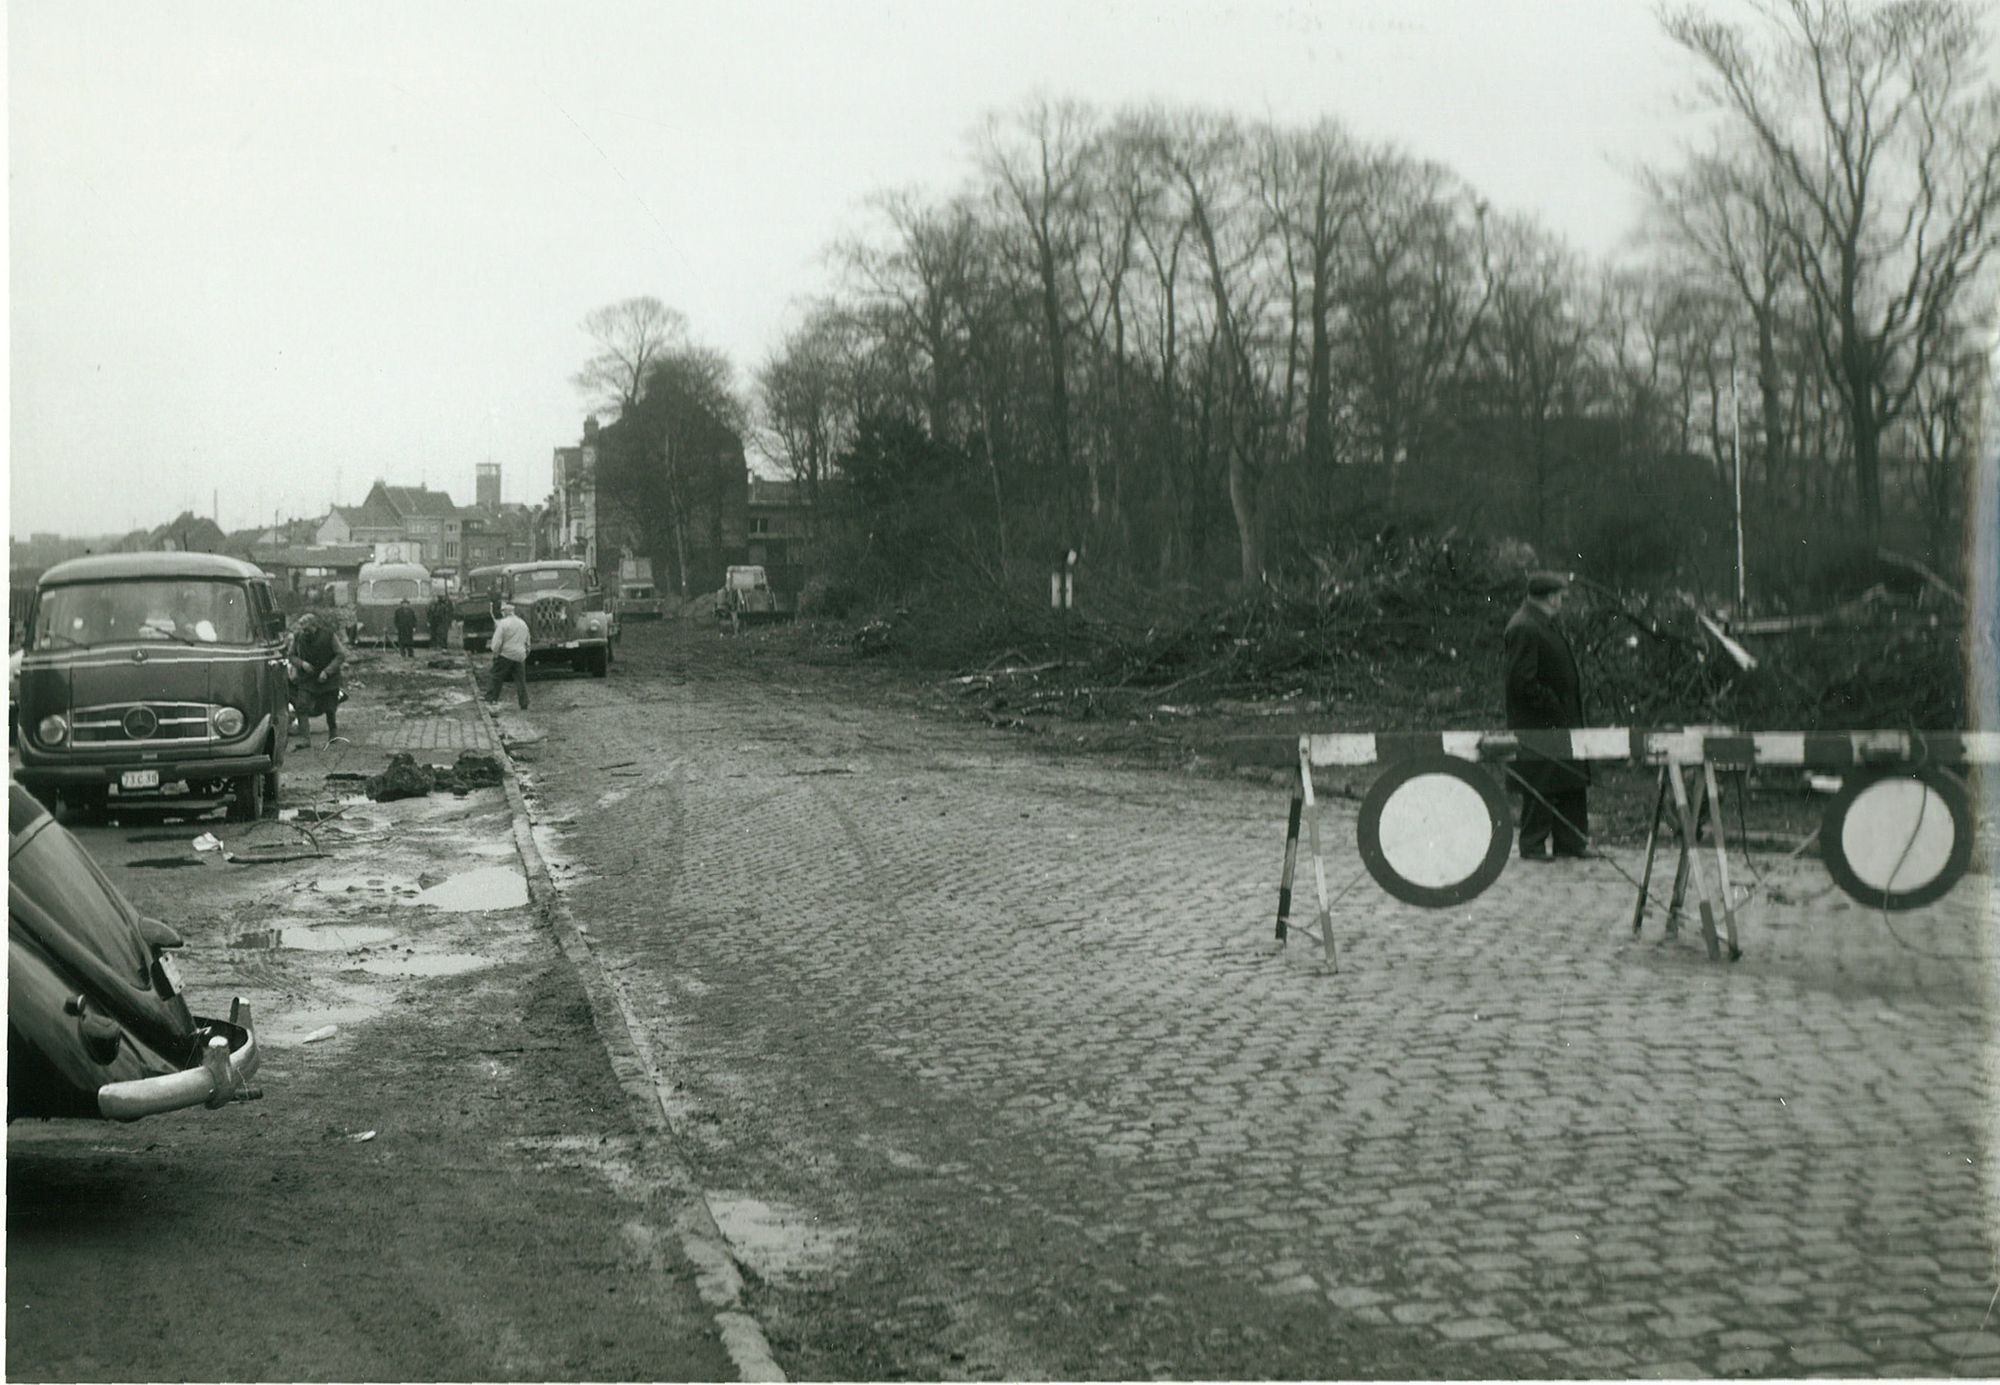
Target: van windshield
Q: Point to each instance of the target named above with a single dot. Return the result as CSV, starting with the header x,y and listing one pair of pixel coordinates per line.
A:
x,y
189,609
549,579
390,589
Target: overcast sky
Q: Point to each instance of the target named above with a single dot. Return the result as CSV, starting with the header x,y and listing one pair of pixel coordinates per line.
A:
x,y
275,251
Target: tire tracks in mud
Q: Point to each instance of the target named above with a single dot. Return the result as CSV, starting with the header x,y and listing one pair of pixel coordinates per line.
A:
x,y
717,1275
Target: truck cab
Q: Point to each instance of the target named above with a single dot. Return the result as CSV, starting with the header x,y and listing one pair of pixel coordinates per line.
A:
x,y
150,675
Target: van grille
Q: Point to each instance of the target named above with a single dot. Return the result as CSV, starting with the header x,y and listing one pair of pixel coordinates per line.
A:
x,y
119,722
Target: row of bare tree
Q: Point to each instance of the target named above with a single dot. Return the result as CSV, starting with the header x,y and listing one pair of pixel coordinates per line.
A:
x,y
1181,342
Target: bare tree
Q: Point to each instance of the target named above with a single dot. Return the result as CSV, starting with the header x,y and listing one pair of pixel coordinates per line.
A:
x,y
1724,211
1309,183
1038,166
1882,149
1535,347
1203,157
1945,418
631,336
805,403
1415,294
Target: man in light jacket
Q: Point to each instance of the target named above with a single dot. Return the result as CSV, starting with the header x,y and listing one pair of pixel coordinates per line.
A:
x,y
510,655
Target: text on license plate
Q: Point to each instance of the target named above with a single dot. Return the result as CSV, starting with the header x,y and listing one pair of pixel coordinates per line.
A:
x,y
172,973
139,779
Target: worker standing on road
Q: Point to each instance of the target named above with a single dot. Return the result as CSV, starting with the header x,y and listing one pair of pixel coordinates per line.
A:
x,y
440,621
406,629
1545,692
315,662
510,655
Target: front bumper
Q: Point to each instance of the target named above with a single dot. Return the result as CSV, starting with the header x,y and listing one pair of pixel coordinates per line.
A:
x,y
56,776
228,1062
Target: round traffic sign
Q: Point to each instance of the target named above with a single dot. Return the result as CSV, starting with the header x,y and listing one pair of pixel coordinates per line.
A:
x,y
1435,830
1899,837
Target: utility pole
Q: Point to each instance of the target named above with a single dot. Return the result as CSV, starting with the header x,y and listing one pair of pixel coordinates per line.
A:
x,y
1736,446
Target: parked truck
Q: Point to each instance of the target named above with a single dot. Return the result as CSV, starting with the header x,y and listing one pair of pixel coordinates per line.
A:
x,y
638,598
569,619
747,598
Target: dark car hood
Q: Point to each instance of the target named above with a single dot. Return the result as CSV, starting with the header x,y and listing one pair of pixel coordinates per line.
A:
x,y
59,898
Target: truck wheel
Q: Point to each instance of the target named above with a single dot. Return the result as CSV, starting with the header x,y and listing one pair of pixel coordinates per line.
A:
x,y
271,793
246,798
600,663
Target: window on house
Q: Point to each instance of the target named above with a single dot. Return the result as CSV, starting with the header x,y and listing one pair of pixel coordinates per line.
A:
x,y
450,550
760,526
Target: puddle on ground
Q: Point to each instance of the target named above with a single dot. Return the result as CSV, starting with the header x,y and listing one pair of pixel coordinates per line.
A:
x,y
489,887
283,1027
313,937
363,884
472,891
425,964
780,1242
163,863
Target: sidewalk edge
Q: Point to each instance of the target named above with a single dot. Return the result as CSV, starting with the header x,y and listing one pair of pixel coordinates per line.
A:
x,y
718,1277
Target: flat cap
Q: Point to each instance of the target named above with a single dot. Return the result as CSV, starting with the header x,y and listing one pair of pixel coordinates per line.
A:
x,y
1546,583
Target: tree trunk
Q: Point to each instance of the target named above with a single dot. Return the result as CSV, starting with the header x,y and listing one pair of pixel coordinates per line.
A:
x,y
1772,402
1243,507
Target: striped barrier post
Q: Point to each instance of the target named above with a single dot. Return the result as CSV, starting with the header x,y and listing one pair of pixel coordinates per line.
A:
x,y
1436,830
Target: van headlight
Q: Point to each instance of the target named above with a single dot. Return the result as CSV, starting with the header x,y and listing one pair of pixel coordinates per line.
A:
x,y
53,729
228,721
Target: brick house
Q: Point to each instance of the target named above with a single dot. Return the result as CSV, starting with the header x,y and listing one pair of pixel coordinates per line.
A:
x,y
404,514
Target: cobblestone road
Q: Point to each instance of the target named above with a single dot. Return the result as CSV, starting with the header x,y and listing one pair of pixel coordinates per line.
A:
x,y
982,1062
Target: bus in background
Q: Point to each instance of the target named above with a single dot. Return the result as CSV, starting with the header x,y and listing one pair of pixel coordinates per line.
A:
x,y
379,589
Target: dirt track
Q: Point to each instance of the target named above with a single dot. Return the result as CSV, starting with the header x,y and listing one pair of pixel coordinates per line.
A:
x,y
505,1219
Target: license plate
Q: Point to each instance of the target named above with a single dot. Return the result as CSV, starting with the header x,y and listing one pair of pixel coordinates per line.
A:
x,y
139,779
172,973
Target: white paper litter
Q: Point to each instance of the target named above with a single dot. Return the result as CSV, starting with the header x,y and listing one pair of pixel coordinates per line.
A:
x,y
318,1034
208,841
363,1138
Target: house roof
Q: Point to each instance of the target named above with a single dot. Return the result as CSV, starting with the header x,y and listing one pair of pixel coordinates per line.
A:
x,y
190,530
417,500
767,492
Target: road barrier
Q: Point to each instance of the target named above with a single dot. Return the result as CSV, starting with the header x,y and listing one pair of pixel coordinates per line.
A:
x,y
1436,828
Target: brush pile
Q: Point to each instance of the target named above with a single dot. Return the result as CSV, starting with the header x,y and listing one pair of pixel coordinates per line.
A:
x,y
1405,633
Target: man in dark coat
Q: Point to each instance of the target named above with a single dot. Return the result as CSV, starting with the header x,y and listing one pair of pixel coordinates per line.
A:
x,y
406,629
315,661
1544,692
440,621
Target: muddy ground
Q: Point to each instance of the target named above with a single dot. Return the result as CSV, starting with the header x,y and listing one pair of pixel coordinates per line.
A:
x,y
1235,737
442,1180
833,981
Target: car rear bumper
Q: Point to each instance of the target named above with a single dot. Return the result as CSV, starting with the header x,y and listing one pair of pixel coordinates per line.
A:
x,y
228,1062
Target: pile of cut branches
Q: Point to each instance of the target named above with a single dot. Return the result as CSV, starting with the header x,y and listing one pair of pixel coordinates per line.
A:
x,y
1408,632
